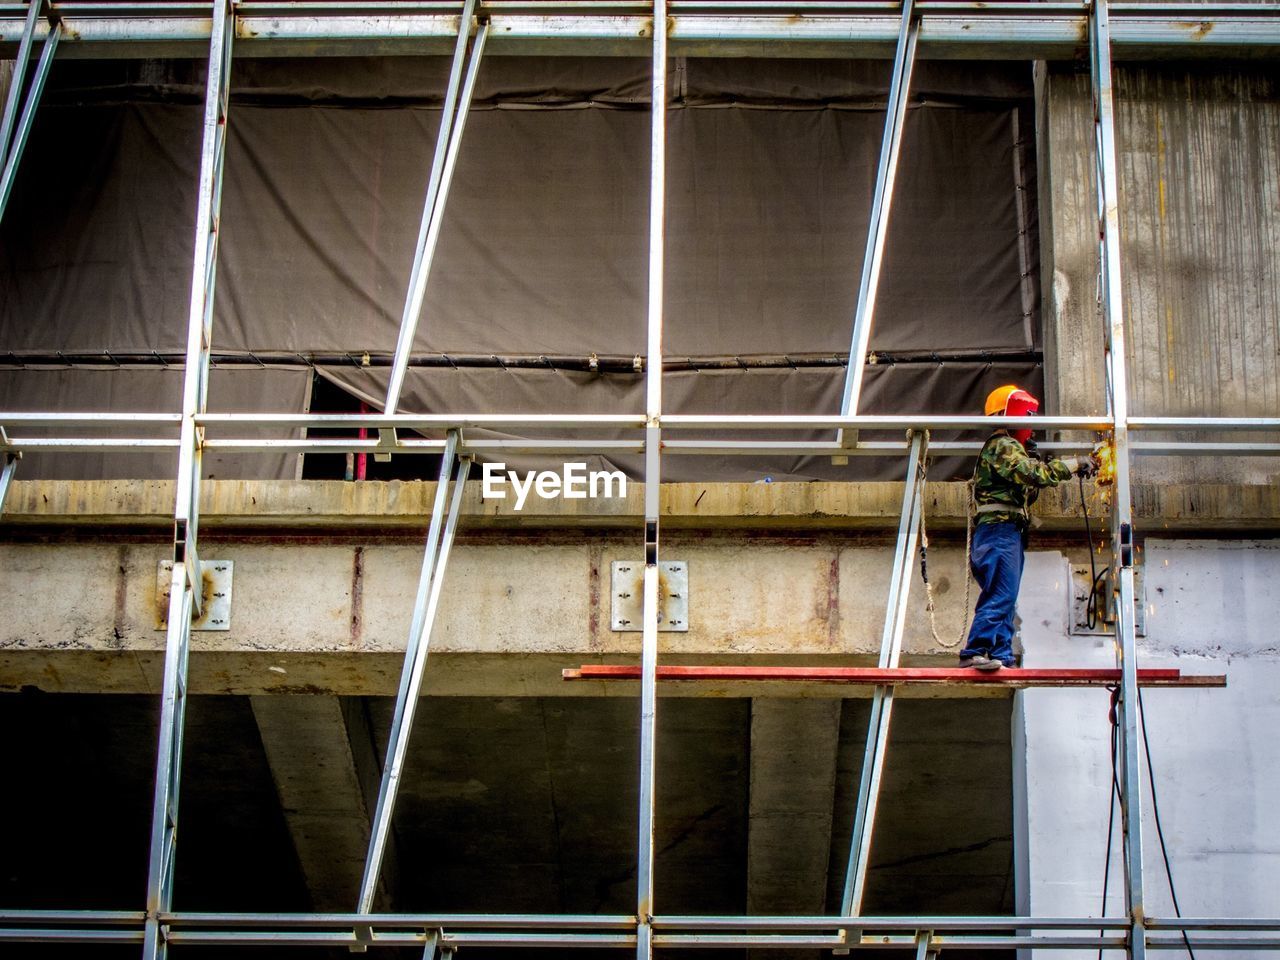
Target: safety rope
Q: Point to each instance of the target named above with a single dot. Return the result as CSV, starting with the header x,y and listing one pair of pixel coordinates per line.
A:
x,y
930,605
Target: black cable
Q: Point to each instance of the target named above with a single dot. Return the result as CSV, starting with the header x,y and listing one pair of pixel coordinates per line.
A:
x,y
1112,797
1155,810
600,363
1092,607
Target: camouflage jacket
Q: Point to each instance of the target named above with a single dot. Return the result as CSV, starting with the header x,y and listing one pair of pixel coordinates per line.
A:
x,y
1007,474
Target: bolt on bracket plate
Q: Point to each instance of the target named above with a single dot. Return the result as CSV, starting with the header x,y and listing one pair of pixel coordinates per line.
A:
x,y
626,585
1104,622
215,611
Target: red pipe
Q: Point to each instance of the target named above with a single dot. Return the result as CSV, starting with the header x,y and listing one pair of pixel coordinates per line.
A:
x,y
899,676
362,459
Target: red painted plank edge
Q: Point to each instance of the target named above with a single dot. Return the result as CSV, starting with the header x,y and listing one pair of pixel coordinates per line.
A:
x,y
898,676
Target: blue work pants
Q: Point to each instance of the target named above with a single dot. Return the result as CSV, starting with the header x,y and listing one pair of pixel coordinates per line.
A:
x,y
997,557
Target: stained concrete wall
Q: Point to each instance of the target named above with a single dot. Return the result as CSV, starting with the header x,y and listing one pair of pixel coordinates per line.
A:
x,y
1211,608
334,617
1199,164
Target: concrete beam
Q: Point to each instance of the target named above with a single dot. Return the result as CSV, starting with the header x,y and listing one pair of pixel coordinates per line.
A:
x,y
315,746
320,505
332,618
794,747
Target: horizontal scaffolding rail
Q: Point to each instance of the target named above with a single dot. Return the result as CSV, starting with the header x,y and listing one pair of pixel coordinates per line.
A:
x,y
901,676
968,30
387,441
567,447
636,421
602,932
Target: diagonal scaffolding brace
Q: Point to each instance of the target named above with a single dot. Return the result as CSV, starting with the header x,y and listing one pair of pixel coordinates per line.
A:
x,y
186,584
14,131
453,121
440,534
1110,295
873,756
878,224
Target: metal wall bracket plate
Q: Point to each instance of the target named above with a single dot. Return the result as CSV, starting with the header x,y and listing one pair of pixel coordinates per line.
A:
x,y
1081,578
215,613
626,586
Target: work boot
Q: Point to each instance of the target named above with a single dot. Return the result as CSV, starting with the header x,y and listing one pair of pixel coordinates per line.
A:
x,y
979,662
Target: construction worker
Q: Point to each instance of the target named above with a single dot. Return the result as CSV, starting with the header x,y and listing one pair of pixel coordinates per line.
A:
x,y
1007,480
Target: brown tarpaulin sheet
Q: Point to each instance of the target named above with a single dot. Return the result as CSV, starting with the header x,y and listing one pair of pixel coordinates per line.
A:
x,y
133,390
903,388
544,251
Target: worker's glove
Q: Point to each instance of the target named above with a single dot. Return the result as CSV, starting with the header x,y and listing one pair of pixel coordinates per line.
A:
x,y
1033,450
1081,466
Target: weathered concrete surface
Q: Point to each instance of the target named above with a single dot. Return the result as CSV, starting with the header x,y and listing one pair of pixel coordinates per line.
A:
x,y
794,747
312,751
1212,608
407,504
326,610
322,505
1199,163
333,618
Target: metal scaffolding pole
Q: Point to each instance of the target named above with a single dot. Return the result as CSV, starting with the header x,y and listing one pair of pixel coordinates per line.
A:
x,y
1111,295
878,224
186,582
18,78
452,931
1001,31
443,163
882,700
581,426
426,604
8,467
13,141
652,481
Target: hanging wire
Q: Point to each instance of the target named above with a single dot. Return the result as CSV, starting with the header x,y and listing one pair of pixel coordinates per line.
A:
x,y
1155,809
1092,611
1113,799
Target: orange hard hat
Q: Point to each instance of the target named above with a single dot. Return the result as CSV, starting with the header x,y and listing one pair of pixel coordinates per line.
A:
x,y
1011,400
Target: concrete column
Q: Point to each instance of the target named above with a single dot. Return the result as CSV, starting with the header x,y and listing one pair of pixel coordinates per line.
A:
x,y
1200,231
793,778
324,763
1210,609
6,79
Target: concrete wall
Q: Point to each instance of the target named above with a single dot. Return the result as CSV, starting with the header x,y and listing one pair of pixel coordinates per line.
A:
x,y
1200,228
1212,607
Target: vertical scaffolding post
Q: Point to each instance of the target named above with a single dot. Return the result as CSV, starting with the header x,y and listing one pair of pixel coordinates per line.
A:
x,y
453,120
1122,539
425,606
186,579
873,756
14,140
878,224
652,483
